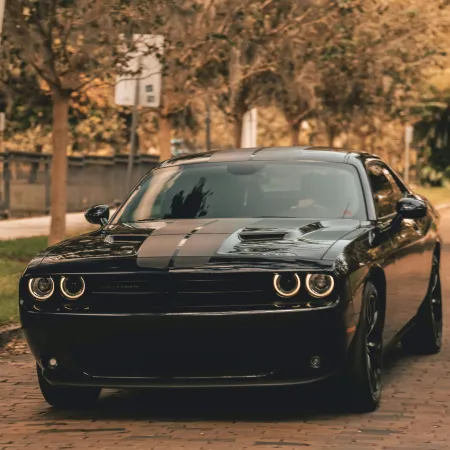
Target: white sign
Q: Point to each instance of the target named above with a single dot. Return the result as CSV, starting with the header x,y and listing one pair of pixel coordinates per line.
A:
x,y
148,82
249,129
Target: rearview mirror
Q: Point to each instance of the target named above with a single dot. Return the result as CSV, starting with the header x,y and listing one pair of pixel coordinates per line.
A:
x,y
97,215
411,208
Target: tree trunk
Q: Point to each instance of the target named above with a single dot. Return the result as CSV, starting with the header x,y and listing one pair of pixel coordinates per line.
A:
x,y
238,129
60,139
295,130
164,138
331,132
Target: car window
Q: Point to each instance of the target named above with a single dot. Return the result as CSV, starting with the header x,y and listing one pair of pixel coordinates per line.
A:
x,y
319,190
398,181
386,192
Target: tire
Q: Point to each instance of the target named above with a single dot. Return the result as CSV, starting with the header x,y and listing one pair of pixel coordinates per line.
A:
x,y
63,397
365,363
425,338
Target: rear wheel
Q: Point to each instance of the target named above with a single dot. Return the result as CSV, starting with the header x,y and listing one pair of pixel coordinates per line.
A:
x,y
67,397
364,371
426,335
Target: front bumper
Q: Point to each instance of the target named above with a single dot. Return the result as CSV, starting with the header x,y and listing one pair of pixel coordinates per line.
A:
x,y
260,348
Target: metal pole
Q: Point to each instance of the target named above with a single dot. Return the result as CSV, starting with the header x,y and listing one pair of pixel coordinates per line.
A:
x,y
134,126
208,125
408,139
406,174
2,129
6,184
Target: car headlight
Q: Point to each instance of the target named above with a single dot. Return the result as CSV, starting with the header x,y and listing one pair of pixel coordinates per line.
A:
x,y
72,287
287,284
319,285
41,288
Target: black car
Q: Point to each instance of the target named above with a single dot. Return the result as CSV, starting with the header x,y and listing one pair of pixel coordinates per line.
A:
x,y
255,267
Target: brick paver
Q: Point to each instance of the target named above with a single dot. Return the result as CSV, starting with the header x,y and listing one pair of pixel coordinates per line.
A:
x,y
414,413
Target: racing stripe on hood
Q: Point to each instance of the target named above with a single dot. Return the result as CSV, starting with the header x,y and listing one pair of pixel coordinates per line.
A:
x,y
160,249
205,243
181,244
187,242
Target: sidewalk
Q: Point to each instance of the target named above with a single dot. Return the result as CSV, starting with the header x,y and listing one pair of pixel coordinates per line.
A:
x,y
39,226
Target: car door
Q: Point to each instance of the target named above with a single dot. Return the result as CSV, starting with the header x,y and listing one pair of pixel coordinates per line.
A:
x,y
413,249
403,266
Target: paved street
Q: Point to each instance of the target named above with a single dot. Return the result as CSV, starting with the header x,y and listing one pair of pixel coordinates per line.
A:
x,y
38,226
415,411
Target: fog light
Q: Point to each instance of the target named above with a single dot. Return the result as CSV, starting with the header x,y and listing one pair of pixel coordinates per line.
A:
x,y
52,363
314,362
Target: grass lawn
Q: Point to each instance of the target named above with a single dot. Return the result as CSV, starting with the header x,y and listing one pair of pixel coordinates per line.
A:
x,y
14,257
437,195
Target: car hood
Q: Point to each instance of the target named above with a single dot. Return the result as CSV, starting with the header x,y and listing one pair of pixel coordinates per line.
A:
x,y
186,243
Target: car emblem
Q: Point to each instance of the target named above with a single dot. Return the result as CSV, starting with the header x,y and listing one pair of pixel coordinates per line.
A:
x,y
109,239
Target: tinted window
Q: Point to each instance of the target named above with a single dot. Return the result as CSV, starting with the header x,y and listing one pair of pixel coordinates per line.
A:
x,y
247,189
385,191
400,184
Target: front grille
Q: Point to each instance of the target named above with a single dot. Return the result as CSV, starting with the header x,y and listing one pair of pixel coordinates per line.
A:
x,y
209,291
179,292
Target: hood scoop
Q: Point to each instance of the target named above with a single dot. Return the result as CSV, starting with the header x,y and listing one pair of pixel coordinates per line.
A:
x,y
125,238
276,234
261,235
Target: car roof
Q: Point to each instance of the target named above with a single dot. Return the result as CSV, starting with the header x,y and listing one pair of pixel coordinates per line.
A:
x,y
304,153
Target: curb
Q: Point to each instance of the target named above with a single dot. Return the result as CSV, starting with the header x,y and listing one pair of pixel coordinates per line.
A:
x,y
8,333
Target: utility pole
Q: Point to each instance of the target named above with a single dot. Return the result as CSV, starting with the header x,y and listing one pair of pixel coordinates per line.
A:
x,y
409,132
134,126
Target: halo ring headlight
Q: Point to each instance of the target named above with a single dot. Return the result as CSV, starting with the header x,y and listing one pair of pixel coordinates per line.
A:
x,y
282,291
312,285
41,288
65,290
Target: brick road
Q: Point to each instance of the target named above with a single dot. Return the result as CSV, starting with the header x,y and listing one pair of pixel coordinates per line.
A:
x,y
414,413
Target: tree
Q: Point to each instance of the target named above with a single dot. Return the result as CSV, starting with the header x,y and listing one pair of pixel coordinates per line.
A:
x,y
200,35
69,44
26,106
248,68
294,70
375,61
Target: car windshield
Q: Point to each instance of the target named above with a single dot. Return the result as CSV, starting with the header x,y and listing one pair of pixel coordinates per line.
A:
x,y
247,189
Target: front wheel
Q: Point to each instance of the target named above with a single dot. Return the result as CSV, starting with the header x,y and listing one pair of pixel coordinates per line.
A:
x,y
365,363
63,397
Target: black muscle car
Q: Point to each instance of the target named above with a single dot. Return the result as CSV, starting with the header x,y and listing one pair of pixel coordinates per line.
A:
x,y
255,267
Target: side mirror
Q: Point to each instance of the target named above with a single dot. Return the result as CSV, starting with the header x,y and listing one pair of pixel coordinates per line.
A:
x,y
411,208
97,215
